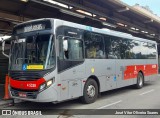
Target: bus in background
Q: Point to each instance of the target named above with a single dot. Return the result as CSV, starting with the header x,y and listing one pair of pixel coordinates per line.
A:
x,y
53,60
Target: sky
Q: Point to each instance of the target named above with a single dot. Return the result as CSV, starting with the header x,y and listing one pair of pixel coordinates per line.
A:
x,y
154,5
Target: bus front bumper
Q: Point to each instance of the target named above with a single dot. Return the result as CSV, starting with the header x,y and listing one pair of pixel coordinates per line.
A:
x,y
48,95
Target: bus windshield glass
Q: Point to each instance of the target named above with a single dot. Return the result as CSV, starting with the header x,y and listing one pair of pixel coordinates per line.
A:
x,y
32,53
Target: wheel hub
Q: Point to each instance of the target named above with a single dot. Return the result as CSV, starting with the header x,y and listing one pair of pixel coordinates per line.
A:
x,y
91,91
140,81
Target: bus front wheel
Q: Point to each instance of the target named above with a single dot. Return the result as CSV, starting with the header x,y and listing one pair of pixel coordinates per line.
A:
x,y
140,81
90,91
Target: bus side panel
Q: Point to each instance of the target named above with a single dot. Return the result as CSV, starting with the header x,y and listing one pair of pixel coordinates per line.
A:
x,y
127,71
75,88
121,66
104,70
71,82
151,70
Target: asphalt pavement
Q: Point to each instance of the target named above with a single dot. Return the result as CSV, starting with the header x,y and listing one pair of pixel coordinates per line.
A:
x,y
2,101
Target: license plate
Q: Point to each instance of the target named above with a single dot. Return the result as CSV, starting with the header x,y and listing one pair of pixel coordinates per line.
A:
x,y
22,95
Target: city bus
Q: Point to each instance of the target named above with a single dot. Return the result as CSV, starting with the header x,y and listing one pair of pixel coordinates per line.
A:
x,y
53,60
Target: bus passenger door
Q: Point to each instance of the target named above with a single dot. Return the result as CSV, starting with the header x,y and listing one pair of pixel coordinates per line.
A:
x,y
70,67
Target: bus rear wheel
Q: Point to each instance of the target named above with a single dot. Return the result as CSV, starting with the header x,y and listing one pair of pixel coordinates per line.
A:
x,y
90,91
140,80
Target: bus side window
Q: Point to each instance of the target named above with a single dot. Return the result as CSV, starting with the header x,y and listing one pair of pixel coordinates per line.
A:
x,y
61,51
70,48
124,49
144,50
65,49
88,47
108,51
129,51
114,48
94,45
75,49
136,49
152,52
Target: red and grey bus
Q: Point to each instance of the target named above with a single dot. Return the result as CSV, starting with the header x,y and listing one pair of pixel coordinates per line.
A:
x,y
52,60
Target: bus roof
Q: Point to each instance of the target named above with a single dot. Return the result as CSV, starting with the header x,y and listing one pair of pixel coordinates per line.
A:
x,y
104,31
89,28
34,21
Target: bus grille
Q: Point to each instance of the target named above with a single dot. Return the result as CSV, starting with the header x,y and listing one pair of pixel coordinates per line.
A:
x,y
25,75
29,94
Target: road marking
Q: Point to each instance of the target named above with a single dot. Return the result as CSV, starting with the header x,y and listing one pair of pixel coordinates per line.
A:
x,y
147,92
110,104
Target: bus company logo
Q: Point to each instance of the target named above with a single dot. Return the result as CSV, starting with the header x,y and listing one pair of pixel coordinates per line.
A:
x,y
6,112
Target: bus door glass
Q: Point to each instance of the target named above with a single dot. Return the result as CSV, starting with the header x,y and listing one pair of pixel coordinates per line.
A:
x,y
71,68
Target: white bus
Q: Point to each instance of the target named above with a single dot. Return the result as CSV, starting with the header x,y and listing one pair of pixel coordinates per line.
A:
x,y
53,60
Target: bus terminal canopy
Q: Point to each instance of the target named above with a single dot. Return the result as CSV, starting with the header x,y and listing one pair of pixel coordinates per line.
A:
x,y
111,14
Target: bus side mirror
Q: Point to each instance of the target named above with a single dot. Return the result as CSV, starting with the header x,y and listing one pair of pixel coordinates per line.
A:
x,y
65,45
3,48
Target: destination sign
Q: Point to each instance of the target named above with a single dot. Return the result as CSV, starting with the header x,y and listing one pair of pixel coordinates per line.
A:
x,y
32,26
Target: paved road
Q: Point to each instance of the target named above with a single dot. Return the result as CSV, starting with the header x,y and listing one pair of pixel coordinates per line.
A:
x,y
125,98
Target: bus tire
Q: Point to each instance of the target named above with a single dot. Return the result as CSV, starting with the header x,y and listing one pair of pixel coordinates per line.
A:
x,y
90,91
140,80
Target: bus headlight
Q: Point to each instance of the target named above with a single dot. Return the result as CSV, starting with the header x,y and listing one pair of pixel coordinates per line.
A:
x,y
49,83
46,85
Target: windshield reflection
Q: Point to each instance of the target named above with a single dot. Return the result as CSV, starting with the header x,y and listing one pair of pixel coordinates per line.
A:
x,y
32,52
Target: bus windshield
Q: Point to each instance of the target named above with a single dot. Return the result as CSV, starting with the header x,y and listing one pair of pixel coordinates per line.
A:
x,y
32,53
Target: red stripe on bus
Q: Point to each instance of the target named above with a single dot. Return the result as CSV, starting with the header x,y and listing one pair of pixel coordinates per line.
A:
x,y
59,85
132,70
26,85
